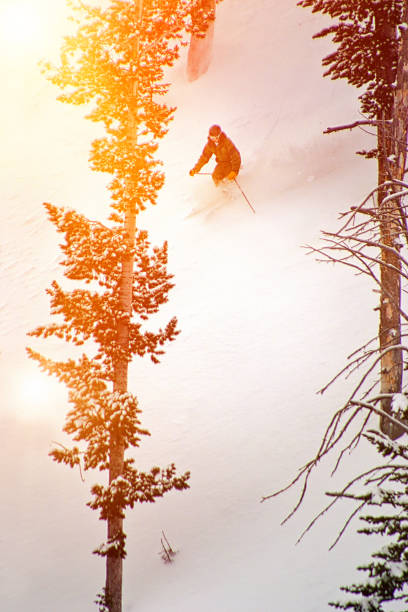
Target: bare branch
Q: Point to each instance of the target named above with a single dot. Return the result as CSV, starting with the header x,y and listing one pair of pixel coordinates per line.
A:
x,y
380,412
343,494
350,126
347,523
333,434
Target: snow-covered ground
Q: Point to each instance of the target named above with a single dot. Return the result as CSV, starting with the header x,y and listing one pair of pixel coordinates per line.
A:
x,y
263,328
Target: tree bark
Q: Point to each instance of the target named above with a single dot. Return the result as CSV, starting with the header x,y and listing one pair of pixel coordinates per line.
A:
x,y
391,142
114,561
390,302
200,49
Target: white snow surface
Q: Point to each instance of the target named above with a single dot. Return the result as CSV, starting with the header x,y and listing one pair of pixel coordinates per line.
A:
x,y
263,328
399,402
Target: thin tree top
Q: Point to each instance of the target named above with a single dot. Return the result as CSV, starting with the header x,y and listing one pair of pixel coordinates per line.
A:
x,y
367,39
114,63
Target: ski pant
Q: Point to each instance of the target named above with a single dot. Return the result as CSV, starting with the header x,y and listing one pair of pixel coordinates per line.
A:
x,y
221,171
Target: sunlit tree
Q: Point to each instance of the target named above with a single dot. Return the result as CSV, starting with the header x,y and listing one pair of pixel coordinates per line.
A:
x,y
201,41
114,64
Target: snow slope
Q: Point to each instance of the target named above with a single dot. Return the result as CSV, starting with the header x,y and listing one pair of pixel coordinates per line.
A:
x,y
263,328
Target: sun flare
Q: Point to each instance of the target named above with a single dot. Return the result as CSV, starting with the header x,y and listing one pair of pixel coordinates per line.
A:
x,y
35,389
32,395
20,24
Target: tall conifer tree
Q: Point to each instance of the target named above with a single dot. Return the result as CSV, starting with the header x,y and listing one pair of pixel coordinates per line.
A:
x,y
367,39
373,53
115,64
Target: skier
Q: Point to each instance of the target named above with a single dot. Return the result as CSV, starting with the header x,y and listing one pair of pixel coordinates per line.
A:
x,y
226,154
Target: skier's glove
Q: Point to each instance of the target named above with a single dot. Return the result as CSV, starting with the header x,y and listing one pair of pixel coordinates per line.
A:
x,y
193,171
231,175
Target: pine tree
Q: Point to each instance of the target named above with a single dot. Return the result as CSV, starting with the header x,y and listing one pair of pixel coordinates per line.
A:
x,y
373,53
385,488
114,63
367,38
366,33
199,52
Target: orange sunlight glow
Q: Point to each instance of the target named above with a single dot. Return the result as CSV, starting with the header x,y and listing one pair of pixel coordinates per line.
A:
x,y
35,395
20,24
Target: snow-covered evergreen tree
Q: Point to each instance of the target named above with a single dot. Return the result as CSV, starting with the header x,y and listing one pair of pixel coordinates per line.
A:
x,y
200,49
367,35
384,489
115,64
372,53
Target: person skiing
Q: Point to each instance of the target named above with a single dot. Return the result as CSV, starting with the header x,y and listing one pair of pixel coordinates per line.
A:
x,y
226,154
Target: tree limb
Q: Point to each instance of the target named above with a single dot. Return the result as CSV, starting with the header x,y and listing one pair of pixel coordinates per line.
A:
x,y
350,126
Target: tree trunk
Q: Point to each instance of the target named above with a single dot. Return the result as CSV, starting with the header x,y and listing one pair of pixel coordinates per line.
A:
x,y
400,115
390,301
200,49
390,139
114,561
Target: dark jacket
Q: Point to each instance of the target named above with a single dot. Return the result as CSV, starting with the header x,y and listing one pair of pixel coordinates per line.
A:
x,y
225,153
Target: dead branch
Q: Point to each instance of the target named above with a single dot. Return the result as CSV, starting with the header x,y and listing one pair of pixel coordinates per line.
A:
x,y
352,245
364,211
352,444
380,412
385,472
167,553
351,126
382,186
347,523
334,433
342,494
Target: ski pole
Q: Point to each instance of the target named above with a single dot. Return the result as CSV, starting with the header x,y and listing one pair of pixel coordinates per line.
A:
x,y
239,187
241,190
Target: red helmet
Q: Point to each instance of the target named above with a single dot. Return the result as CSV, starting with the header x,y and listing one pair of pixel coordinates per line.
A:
x,y
214,130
